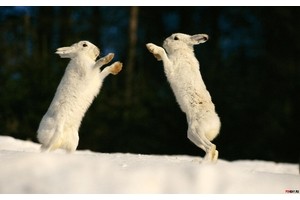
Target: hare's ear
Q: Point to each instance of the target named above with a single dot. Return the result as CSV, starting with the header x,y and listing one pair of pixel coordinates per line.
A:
x,y
66,52
199,38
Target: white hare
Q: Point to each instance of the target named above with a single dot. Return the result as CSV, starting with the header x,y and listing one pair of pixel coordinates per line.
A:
x,y
182,70
79,86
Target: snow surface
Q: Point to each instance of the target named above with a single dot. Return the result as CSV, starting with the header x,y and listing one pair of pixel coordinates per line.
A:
x,y
24,169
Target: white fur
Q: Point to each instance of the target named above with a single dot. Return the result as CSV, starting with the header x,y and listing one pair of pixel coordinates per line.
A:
x,y
183,73
79,86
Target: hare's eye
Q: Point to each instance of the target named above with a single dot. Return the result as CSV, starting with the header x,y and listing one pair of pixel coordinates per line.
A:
x,y
176,38
84,45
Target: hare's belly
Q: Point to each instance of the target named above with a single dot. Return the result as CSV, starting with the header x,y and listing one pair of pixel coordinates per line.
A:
x,y
182,96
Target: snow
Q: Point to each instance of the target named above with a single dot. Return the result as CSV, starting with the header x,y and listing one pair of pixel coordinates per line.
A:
x,y
24,169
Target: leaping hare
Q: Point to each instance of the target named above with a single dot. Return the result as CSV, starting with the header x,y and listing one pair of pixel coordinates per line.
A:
x,y
79,86
183,73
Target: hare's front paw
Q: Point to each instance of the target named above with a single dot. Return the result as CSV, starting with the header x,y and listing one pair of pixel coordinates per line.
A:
x,y
116,68
155,50
106,59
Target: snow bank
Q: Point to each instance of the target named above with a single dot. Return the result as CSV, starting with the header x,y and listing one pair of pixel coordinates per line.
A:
x,y
23,169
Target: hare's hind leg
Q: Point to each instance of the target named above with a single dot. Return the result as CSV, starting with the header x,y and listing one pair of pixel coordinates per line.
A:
x,y
196,135
212,154
56,139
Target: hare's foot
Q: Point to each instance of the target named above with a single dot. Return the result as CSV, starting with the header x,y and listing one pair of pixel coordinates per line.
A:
x,y
155,50
44,148
116,68
212,154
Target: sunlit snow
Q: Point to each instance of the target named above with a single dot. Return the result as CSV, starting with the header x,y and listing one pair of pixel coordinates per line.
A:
x,y
24,169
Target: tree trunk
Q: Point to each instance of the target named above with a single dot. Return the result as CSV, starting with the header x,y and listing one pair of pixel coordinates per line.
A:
x,y
133,24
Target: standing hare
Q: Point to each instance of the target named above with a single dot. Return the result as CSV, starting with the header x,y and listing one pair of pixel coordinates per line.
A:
x,y
182,70
79,86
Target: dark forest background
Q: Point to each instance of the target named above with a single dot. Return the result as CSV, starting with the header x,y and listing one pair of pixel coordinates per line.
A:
x,y
250,64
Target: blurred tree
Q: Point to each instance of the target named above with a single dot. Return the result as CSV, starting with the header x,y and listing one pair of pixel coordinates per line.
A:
x,y
133,27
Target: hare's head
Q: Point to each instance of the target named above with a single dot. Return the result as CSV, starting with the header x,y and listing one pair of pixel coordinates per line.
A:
x,y
80,48
178,41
